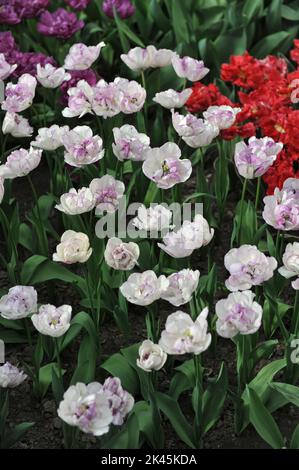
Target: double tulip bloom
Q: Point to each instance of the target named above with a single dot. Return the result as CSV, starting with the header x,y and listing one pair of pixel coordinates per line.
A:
x,y
172,99
153,219
50,138
52,321
238,313
16,125
151,356
20,302
253,159
73,248
139,59
182,335
191,236
76,202
105,99
129,143
82,147
20,163
93,408
19,96
81,57
281,210
164,166
248,267
121,256
144,288
107,192
290,261
11,376
50,76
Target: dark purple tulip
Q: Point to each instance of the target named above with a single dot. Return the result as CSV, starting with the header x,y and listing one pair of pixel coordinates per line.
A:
x,y
8,13
7,43
124,8
77,4
30,8
60,24
27,62
77,75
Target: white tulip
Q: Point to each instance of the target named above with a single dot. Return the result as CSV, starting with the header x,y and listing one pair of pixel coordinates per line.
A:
x,y
144,288
76,202
20,302
182,335
120,255
74,248
52,321
151,356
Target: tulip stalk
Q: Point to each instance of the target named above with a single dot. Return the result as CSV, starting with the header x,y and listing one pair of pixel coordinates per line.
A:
x,y
241,209
42,237
3,414
295,318
258,190
197,398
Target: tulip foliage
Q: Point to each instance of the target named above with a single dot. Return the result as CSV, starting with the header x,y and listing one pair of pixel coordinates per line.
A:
x,y
152,198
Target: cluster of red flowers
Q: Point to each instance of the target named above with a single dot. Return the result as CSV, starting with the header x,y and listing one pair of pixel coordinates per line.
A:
x,y
267,97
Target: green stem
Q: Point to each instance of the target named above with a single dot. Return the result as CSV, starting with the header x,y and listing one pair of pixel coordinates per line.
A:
x,y
241,209
258,190
295,319
58,359
41,233
198,399
11,242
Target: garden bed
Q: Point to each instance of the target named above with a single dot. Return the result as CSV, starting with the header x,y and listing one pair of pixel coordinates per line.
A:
x,y
159,102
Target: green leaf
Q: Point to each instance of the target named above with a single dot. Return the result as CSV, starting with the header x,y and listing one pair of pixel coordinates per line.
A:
x,y
233,42
294,444
38,269
273,16
260,384
213,400
45,377
57,386
289,13
252,9
12,437
124,29
13,337
145,422
264,350
263,422
289,392
118,366
79,321
178,421
269,44
179,22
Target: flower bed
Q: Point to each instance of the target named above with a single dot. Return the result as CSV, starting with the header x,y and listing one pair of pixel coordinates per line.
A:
x,y
149,228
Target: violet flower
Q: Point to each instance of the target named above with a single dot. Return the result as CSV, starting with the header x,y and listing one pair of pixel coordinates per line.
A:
x,y
124,8
61,24
77,4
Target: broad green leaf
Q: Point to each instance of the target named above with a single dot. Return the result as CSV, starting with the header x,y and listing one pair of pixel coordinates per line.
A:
x,y
290,392
174,413
118,366
263,422
269,44
213,400
294,444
